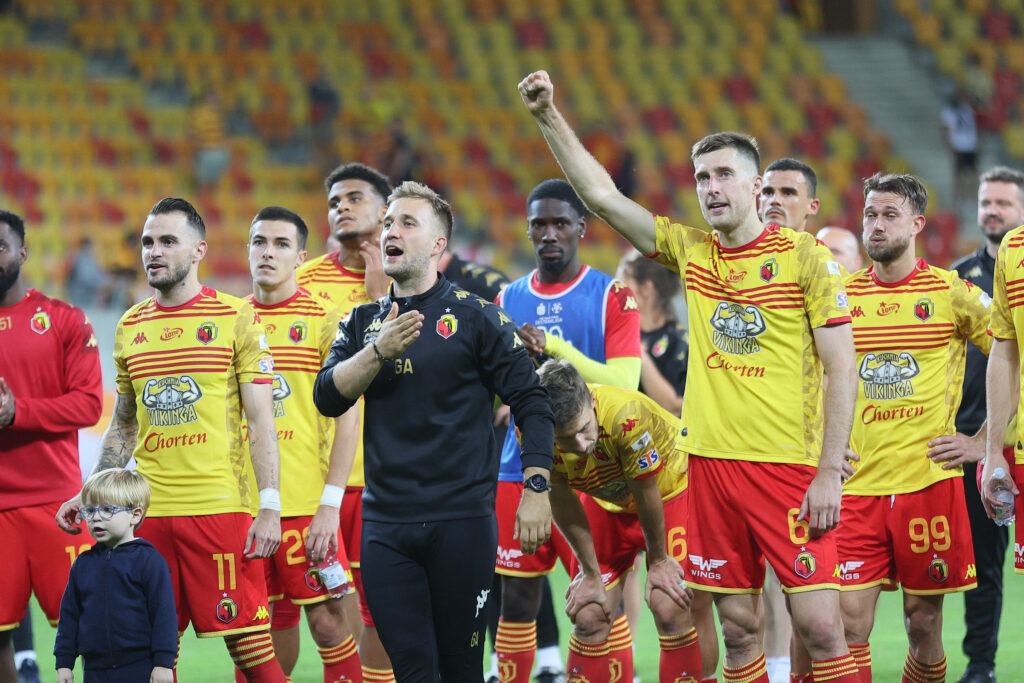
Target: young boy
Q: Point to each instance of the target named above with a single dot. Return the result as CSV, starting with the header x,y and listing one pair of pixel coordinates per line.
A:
x,y
118,608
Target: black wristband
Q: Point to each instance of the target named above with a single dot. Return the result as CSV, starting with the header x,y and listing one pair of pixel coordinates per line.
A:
x,y
377,352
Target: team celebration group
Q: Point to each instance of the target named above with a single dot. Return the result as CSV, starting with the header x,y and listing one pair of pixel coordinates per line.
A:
x,y
330,443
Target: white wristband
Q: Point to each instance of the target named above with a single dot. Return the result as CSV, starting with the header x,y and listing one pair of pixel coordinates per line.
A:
x,y
332,496
270,499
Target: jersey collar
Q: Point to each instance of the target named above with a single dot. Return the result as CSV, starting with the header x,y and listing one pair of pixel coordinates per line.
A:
x,y
919,266
203,293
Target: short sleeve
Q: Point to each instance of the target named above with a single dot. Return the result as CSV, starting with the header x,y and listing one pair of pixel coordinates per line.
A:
x,y
971,306
1000,322
328,332
252,359
820,278
622,331
635,436
121,378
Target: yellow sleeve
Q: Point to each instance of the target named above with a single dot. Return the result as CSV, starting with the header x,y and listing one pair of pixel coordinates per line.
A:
x,y
328,331
971,307
822,283
622,372
252,359
121,379
672,243
1000,323
635,437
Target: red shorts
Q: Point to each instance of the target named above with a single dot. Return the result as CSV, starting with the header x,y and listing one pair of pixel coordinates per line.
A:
x,y
744,513
351,527
284,614
511,560
921,540
289,574
1018,532
215,587
38,558
618,537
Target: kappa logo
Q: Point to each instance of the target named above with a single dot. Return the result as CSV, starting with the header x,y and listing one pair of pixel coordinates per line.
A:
x,y
805,565
206,333
171,333
40,322
630,304
481,600
736,327
769,269
298,332
140,338
324,294
460,294
924,309
735,276
227,610
706,568
261,613
628,425
355,296
848,570
887,309
972,572
447,325
886,376
856,312
374,326
938,570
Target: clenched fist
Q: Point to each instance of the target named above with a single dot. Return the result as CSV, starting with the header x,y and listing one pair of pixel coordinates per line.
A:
x,y
537,92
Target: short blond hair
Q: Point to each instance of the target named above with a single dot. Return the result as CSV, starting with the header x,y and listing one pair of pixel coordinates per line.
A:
x,y
410,189
117,486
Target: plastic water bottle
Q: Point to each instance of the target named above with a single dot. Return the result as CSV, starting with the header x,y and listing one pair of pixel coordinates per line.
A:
x,y
1004,494
334,577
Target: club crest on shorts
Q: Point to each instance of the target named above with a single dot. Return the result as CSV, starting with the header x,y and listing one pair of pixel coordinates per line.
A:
x,y
40,322
685,679
938,570
506,670
206,333
298,332
924,309
313,581
805,565
447,325
227,610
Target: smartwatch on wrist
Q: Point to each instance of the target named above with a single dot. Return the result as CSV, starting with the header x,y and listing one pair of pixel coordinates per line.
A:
x,y
537,483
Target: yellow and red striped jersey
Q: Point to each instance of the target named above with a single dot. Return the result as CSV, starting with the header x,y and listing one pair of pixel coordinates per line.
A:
x,y
911,341
300,331
1008,312
342,289
636,439
754,378
184,364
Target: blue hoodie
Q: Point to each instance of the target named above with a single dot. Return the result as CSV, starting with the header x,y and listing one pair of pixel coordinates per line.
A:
x,y
118,609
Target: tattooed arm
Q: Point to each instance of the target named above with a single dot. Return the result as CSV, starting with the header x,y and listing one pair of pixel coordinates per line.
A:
x,y
265,533
116,450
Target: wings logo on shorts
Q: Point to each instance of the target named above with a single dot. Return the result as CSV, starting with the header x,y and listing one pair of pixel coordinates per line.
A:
x,y
706,568
736,327
227,610
886,376
848,570
168,400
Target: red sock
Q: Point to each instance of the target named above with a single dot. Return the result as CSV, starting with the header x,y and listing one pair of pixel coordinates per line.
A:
x,y
841,669
620,651
680,657
341,662
378,675
754,672
588,661
254,655
239,676
800,678
516,647
915,671
862,655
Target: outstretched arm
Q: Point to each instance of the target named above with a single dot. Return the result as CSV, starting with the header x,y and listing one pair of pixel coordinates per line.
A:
x,y
590,180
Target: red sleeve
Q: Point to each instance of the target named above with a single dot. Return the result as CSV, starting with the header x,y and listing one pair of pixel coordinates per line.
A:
x,y
81,400
497,299
622,323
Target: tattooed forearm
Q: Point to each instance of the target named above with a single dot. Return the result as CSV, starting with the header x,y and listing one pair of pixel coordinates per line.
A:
x,y
265,462
119,440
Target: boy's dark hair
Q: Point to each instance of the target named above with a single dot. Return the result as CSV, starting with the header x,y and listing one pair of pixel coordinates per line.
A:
x,y
790,164
177,205
745,144
14,220
902,185
556,188
567,390
279,213
363,172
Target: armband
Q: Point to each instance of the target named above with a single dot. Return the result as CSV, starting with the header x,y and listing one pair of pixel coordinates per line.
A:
x,y
270,499
332,496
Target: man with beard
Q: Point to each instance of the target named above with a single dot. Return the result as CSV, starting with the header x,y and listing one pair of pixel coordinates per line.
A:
x,y
1000,210
565,310
429,359
904,517
50,387
189,360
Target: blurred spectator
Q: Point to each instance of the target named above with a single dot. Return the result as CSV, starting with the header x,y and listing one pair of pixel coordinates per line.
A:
x,y
87,280
844,247
978,82
324,105
399,161
212,155
961,128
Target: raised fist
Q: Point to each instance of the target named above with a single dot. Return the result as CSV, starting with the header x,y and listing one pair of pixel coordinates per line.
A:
x,y
537,92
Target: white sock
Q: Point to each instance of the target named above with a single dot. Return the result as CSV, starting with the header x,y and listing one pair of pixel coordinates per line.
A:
x,y
548,658
22,655
494,666
778,669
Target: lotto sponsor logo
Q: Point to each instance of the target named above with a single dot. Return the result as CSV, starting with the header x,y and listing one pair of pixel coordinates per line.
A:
x,y
156,441
887,309
735,276
706,568
735,328
717,361
171,333
873,413
227,610
848,570
887,376
140,338
642,442
169,400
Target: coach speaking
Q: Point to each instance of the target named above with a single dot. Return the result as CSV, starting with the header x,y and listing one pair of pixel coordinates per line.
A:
x,y
429,358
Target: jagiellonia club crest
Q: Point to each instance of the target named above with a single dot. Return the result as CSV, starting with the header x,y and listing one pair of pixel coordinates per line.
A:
x,y
769,269
40,322
206,333
298,332
924,309
447,325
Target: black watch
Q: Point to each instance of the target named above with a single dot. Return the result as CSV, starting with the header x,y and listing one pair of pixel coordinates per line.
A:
x,y
537,483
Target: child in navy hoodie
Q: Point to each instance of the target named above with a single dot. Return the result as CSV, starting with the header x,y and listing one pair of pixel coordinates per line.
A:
x,y
118,608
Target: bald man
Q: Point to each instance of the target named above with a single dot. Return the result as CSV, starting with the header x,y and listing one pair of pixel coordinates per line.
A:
x,y
844,247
